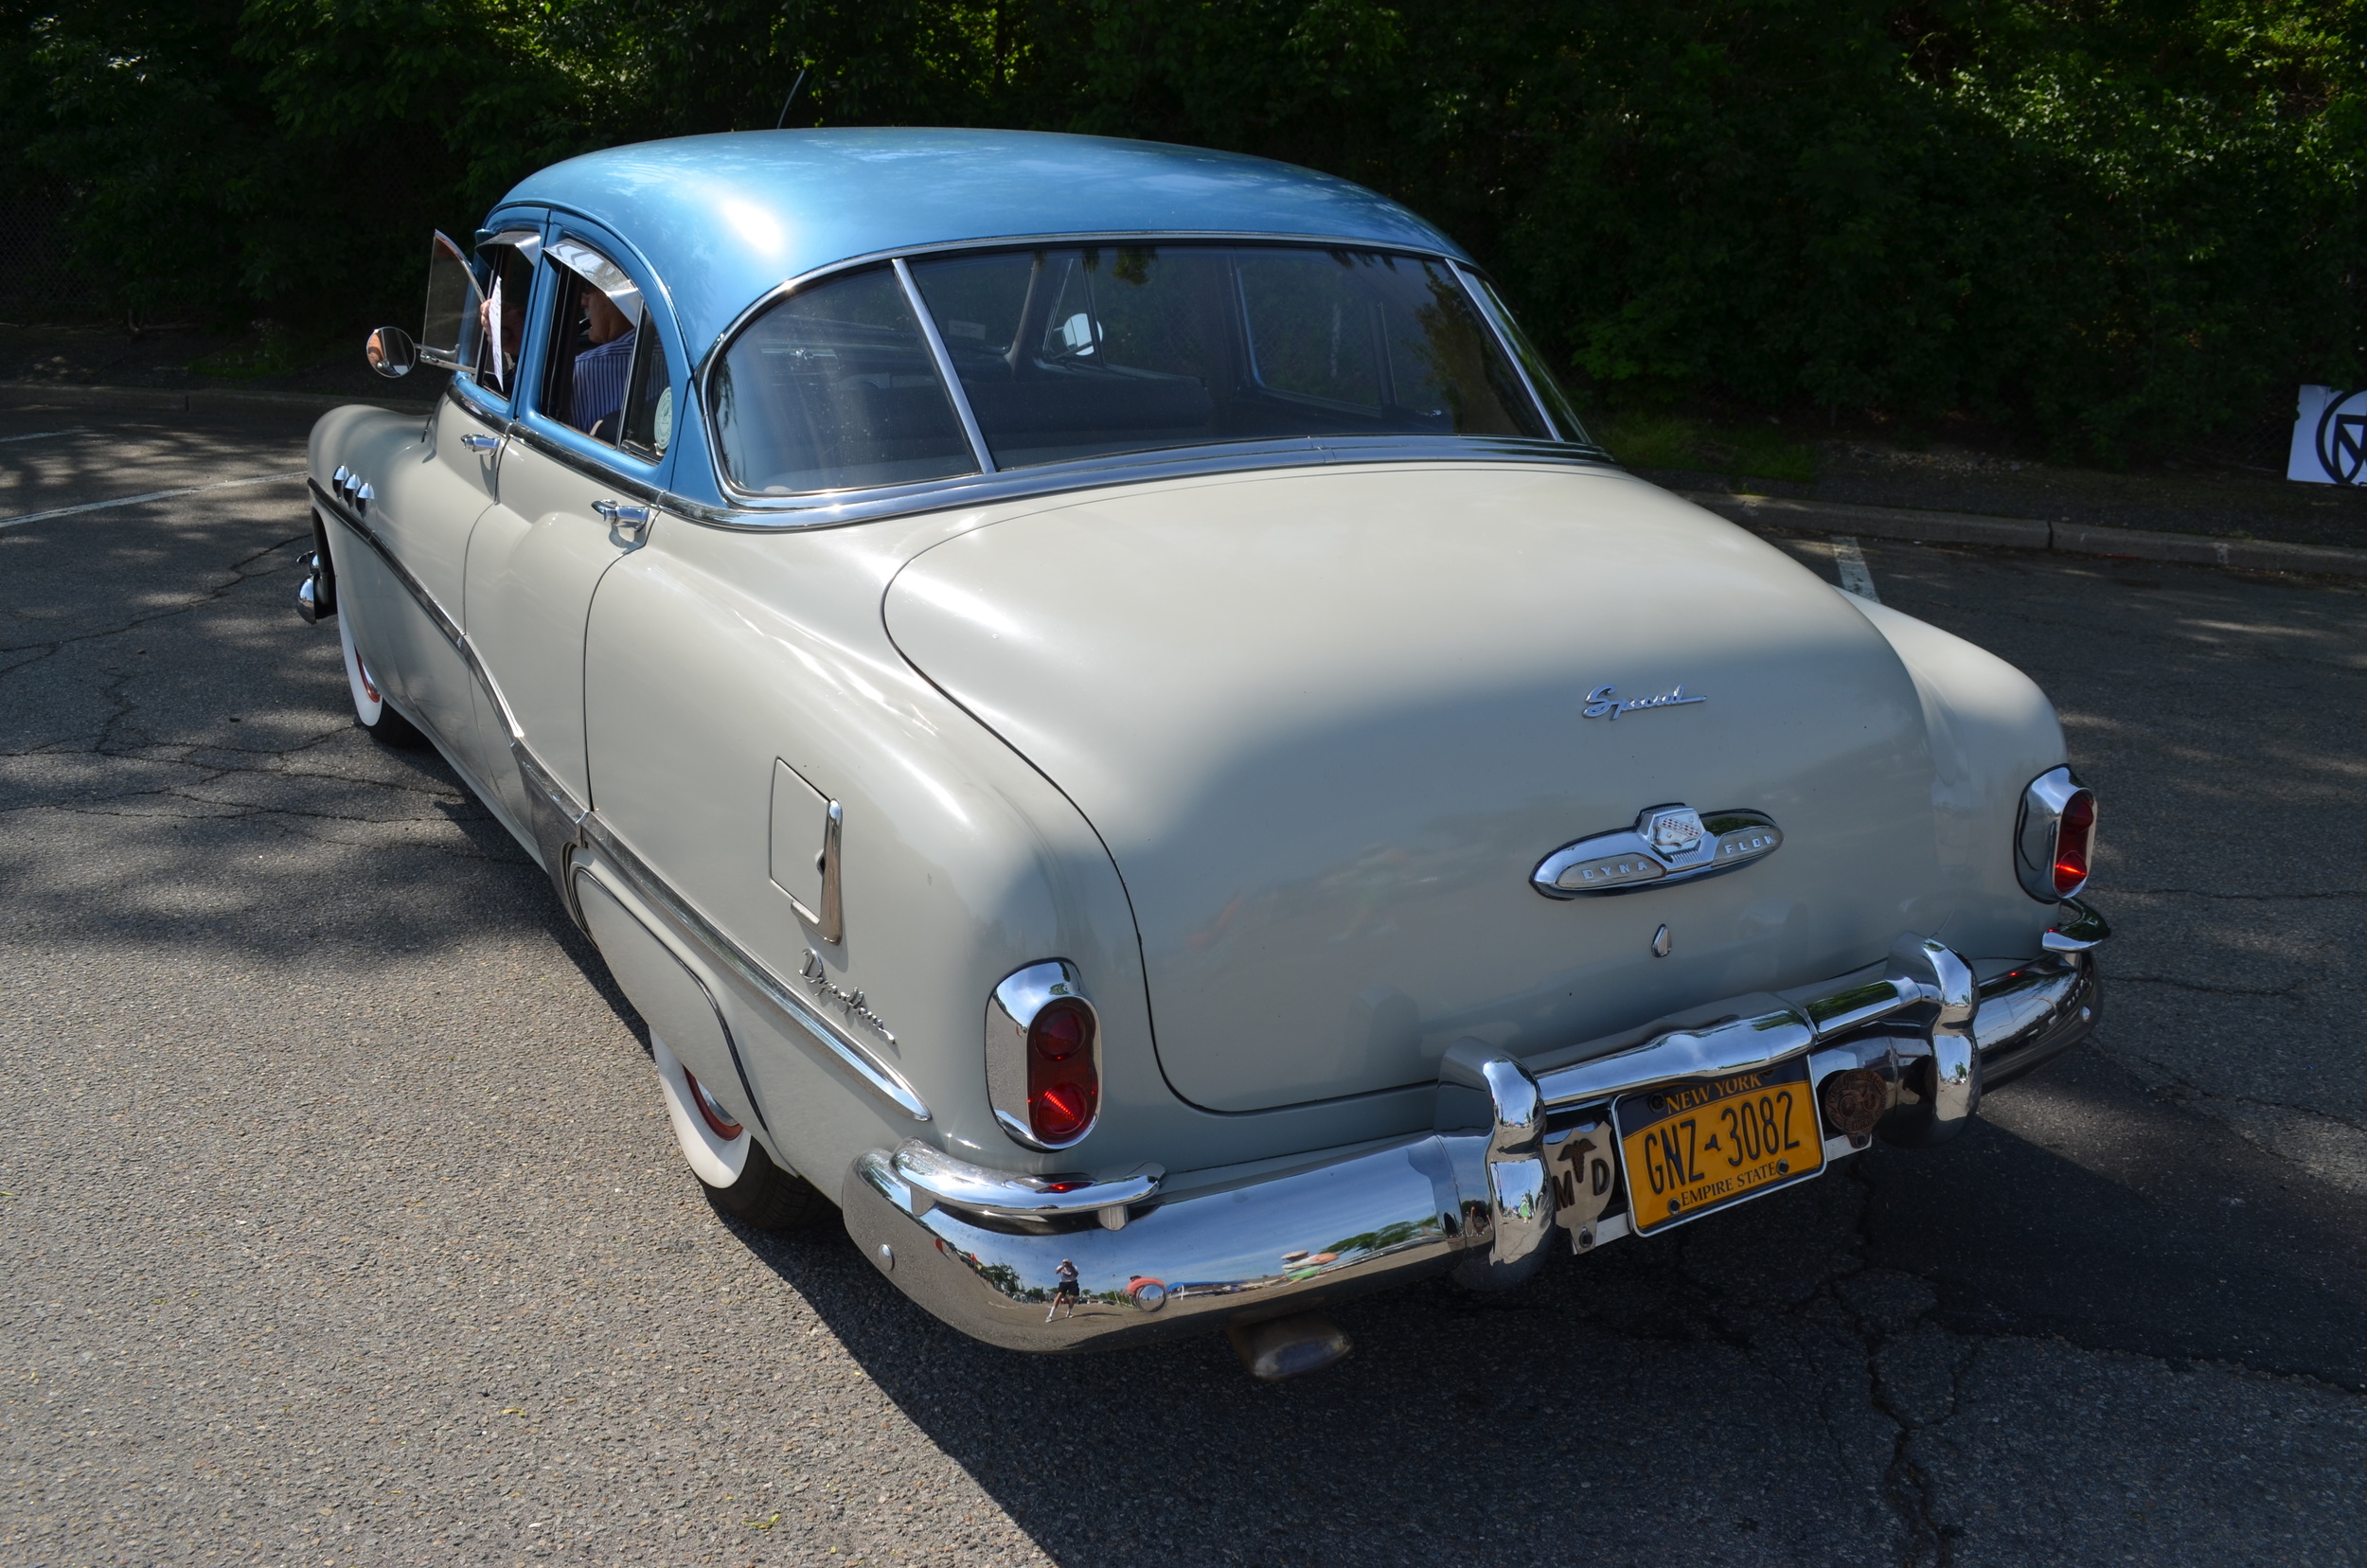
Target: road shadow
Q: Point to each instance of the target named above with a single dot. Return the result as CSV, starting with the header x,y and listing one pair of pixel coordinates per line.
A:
x,y
1706,1396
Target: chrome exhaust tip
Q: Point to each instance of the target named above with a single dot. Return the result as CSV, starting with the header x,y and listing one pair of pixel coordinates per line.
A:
x,y
1291,1346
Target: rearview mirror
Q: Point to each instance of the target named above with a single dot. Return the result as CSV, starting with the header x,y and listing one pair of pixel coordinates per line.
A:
x,y
391,352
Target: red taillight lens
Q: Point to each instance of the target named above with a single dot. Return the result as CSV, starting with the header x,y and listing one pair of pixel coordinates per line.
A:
x,y
1063,1083
2075,841
710,1109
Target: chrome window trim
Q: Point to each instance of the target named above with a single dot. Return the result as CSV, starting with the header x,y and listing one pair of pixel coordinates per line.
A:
x,y
591,263
526,241
1022,241
1478,296
919,307
559,452
741,506
838,509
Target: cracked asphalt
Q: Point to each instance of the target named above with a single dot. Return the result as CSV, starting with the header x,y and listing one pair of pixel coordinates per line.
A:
x,y
339,1221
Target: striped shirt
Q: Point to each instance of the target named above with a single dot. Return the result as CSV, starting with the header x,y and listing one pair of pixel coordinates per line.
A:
x,y
600,373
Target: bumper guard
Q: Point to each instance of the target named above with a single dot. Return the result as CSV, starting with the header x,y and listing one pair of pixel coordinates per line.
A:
x,y
1476,1195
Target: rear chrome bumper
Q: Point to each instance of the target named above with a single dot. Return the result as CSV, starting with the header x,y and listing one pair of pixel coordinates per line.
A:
x,y
1160,1259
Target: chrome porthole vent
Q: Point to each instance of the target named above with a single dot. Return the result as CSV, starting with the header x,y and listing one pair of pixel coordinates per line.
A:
x,y
1667,844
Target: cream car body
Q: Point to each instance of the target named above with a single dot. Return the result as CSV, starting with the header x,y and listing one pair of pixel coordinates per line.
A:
x,y
1259,741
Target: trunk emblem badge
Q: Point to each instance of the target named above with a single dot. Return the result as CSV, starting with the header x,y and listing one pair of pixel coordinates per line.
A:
x,y
1667,844
1604,701
1675,829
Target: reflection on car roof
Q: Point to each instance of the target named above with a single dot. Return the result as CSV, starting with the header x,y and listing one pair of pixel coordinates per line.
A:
x,y
722,219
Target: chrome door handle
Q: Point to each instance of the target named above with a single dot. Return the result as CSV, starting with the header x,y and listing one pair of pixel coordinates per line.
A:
x,y
481,443
631,520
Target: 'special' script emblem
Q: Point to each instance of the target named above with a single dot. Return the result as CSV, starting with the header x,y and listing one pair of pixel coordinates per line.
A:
x,y
1605,701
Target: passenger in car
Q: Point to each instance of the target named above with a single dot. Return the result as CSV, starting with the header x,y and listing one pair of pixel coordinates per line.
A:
x,y
601,369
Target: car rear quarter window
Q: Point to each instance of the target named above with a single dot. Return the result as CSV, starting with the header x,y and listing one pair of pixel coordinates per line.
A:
x,y
835,388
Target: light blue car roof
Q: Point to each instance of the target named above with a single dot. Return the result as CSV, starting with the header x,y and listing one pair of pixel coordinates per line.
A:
x,y
723,219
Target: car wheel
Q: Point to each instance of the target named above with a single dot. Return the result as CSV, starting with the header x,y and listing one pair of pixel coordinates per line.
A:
x,y
740,1178
370,708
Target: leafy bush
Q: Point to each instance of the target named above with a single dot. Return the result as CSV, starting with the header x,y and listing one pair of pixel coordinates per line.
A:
x,y
2126,224
1672,441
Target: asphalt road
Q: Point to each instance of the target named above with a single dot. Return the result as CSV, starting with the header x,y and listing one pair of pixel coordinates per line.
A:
x,y
340,1223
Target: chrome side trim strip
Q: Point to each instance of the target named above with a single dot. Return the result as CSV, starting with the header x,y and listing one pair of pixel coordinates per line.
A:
x,y
560,823
857,1058
557,818
731,1041
946,372
436,612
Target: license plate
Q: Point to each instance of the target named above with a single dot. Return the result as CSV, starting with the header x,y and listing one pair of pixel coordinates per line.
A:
x,y
1705,1143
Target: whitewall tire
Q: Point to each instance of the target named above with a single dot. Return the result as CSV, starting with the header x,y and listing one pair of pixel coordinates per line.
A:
x,y
370,708
739,1178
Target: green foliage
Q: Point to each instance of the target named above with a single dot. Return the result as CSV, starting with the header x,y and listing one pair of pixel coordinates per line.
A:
x,y
2125,223
1643,439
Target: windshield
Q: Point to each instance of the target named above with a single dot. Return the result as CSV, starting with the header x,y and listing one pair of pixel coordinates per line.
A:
x,y
1074,351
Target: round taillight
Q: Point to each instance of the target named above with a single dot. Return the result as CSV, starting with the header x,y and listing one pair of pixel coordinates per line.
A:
x,y
711,1110
1063,1079
2075,841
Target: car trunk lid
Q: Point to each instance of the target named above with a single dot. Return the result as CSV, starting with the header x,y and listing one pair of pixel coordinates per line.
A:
x,y
1329,723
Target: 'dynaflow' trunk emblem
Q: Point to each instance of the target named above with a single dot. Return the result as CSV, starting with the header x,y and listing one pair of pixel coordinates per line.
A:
x,y
1667,844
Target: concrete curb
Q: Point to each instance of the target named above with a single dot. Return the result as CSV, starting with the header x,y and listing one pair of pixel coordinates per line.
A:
x,y
2016,533
195,399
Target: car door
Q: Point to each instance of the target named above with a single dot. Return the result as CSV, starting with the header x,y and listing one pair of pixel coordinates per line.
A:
x,y
427,498
585,461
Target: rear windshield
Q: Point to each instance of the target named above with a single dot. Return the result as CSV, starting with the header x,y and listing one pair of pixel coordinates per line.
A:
x,y
1075,351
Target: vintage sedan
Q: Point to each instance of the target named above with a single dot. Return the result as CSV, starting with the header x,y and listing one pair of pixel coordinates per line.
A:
x,y
1110,718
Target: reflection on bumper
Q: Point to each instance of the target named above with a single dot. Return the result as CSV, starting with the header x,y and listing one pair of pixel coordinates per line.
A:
x,y
1160,1259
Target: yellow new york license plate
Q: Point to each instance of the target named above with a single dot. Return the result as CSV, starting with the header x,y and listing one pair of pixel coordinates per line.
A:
x,y
1695,1145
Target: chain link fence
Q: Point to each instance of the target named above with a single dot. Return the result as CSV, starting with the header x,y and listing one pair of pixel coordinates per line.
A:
x,y
39,279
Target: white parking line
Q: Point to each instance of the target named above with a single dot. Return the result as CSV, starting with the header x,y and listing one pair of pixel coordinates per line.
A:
x,y
151,496
41,434
1855,579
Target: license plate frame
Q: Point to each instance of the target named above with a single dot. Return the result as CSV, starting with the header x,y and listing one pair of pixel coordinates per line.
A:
x,y
1692,1147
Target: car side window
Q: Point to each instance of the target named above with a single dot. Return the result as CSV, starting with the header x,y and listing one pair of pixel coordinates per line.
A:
x,y
606,371
508,285
649,395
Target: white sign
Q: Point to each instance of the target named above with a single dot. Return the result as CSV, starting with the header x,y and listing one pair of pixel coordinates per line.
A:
x,y
2329,438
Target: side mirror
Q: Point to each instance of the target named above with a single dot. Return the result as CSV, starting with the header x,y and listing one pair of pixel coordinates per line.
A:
x,y
391,352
